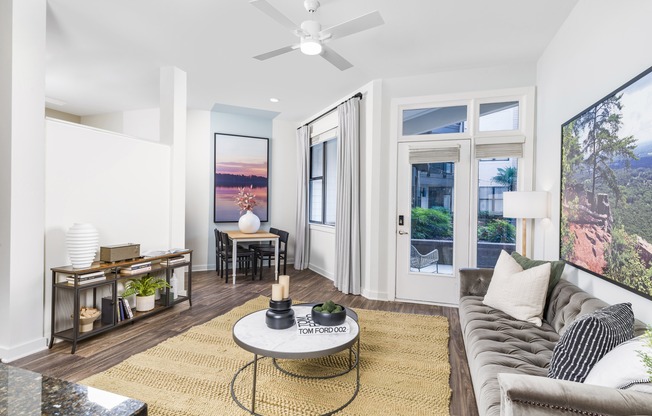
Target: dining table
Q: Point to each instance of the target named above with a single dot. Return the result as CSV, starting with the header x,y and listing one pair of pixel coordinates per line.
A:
x,y
237,236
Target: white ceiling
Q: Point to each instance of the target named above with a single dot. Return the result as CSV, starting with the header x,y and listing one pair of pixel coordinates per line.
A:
x,y
105,55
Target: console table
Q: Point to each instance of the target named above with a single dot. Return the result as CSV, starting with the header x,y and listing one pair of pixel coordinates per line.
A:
x,y
60,284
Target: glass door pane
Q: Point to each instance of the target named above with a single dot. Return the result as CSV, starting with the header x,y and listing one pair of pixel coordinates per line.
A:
x,y
433,190
495,233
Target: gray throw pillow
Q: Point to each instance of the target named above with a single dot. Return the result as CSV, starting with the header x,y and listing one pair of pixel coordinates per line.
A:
x,y
588,339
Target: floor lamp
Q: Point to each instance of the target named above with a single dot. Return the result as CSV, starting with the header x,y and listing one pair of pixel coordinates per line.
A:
x,y
525,205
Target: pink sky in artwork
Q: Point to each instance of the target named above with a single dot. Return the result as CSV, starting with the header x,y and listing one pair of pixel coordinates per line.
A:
x,y
239,156
242,168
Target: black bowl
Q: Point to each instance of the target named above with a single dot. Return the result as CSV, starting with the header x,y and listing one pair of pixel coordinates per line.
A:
x,y
329,319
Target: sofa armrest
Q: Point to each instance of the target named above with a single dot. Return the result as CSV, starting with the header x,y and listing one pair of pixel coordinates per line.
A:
x,y
474,281
522,394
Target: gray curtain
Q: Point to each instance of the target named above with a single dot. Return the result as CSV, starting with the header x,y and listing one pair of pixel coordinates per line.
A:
x,y
302,240
347,223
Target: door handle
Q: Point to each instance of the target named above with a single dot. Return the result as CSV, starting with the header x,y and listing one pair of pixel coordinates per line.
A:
x,y
401,232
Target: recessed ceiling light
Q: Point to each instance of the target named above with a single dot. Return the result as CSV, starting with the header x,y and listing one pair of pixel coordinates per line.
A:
x,y
274,100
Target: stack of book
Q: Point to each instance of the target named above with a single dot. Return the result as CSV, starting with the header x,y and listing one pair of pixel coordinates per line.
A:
x,y
123,309
82,279
137,268
173,260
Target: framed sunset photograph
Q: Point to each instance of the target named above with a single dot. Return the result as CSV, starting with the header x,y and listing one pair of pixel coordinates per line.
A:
x,y
606,187
240,162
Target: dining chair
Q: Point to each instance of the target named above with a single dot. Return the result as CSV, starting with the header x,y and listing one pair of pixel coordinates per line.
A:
x,y
263,252
245,257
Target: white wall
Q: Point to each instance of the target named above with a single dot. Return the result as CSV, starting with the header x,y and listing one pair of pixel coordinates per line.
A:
x,y
599,48
202,125
198,185
144,124
22,175
119,184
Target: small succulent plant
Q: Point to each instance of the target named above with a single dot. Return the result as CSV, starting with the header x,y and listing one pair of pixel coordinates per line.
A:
x,y
328,307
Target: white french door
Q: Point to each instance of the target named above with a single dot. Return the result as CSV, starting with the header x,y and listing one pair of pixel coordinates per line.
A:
x,y
433,225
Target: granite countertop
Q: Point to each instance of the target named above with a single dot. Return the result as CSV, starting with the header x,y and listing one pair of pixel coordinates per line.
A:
x,y
24,392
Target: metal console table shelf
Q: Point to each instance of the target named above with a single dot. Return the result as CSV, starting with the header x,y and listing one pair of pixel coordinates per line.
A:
x,y
113,276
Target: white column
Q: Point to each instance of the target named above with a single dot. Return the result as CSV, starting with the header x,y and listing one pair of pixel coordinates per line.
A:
x,y
173,132
22,176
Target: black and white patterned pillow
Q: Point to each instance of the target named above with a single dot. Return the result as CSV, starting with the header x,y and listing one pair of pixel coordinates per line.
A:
x,y
588,339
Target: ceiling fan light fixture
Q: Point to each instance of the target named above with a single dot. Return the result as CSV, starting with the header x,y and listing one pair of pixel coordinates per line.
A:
x,y
310,46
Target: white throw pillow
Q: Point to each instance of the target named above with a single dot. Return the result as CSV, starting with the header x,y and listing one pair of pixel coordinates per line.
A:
x,y
622,368
517,292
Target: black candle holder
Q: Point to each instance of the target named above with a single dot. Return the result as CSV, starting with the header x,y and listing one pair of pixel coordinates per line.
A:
x,y
280,314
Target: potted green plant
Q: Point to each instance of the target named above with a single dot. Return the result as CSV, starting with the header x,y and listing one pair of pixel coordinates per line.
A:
x,y
328,313
647,358
145,290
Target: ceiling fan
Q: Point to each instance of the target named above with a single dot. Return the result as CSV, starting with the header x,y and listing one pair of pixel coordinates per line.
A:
x,y
312,39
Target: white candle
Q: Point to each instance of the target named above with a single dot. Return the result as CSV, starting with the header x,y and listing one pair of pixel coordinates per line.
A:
x,y
284,280
277,292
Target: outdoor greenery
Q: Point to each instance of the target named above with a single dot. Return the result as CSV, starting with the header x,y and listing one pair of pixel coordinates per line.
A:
x,y
506,176
431,223
497,231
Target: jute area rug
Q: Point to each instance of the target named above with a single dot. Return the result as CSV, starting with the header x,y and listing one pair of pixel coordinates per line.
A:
x,y
404,370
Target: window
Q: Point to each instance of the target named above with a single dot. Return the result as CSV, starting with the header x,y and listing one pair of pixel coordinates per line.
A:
x,y
435,120
323,177
495,233
499,116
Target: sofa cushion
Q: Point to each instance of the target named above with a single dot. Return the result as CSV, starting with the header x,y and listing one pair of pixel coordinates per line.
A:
x,y
622,367
517,292
556,268
497,343
588,339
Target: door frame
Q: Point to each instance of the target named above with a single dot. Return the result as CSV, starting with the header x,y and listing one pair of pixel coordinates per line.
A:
x,y
526,97
461,208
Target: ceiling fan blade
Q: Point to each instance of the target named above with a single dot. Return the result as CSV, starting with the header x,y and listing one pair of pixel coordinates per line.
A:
x,y
276,52
356,25
270,11
335,58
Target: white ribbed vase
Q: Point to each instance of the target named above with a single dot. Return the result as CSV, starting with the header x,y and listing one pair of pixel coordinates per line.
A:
x,y
249,223
82,241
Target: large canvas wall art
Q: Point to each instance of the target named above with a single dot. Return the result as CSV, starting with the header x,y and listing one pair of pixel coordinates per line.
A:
x,y
240,162
606,187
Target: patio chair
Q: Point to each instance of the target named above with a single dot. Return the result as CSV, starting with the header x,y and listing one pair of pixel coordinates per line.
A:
x,y
420,261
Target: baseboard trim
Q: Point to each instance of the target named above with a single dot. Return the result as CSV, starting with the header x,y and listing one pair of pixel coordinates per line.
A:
x,y
321,271
374,295
10,354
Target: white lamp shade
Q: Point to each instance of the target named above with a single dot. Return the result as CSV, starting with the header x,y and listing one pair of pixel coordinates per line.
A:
x,y
532,204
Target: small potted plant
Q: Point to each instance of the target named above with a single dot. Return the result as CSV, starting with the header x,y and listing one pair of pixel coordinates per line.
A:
x,y
647,358
328,313
145,291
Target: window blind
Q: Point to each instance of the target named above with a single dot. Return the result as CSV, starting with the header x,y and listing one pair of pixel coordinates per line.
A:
x,y
439,155
329,134
490,151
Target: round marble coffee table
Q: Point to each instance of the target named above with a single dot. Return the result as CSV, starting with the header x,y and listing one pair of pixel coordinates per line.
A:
x,y
252,334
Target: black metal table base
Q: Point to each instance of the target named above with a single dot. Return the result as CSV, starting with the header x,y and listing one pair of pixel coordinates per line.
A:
x,y
352,364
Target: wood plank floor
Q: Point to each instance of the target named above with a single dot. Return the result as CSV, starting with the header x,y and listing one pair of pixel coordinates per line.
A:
x,y
212,297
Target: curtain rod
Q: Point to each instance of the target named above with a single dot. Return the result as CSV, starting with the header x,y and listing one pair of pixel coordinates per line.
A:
x,y
356,95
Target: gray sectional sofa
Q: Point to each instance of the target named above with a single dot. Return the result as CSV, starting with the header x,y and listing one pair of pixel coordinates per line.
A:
x,y
508,359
